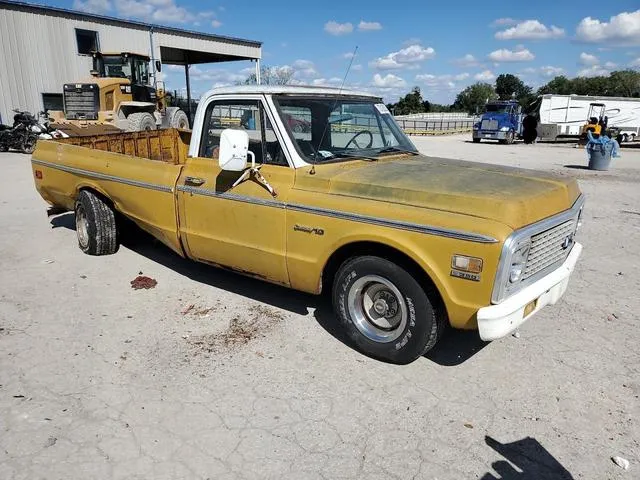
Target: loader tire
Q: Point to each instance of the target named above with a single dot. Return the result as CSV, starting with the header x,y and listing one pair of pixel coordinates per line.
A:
x,y
180,120
141,121
95,225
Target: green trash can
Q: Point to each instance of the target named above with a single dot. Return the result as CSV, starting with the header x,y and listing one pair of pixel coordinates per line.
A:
x,y
599,155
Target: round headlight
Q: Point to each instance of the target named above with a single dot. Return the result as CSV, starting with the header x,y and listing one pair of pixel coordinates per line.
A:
x,y
518,263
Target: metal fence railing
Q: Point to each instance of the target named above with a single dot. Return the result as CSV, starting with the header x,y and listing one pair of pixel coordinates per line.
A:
x,y
436,127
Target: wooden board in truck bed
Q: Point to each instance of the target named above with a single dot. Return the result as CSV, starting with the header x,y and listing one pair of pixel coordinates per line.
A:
x,y
170,145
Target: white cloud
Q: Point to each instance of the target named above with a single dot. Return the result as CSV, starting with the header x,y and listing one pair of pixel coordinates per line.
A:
x,y
596,70
610,65
530,30
503,22
356,68
635,63
327,82
588,59
348,55
92,6
216,23
518,55
441,82
134,8
485,76
621,29
304,69
369,26
217,76
388,81
467,61
549,71
335,28
404,58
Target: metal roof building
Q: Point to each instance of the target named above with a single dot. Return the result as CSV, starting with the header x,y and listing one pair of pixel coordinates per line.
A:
x,y
42,48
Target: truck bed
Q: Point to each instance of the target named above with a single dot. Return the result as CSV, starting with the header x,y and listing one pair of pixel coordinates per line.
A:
x,y
169,146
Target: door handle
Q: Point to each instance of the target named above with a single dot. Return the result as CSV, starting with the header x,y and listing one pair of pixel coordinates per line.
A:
x,y
197,181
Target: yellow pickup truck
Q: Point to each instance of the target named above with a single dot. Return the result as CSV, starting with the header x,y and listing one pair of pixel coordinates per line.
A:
x,y
319,190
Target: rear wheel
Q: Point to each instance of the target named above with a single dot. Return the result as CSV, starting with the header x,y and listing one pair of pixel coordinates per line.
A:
x,y
625,137
180,120
95,225
384,310
29,144
141,121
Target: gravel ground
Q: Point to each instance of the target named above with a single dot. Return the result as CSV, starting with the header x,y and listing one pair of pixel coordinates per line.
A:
x,y
212,375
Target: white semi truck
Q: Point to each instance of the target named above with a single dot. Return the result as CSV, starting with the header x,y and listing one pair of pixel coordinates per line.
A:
x,y
564,116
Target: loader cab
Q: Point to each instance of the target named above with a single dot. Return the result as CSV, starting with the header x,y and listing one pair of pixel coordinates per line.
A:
x,y
130,66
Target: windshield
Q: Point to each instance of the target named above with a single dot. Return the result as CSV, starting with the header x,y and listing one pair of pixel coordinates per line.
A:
x,y
326,128
498,108
116,67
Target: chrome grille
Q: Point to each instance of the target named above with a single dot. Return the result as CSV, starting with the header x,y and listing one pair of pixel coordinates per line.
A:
x,y
547,248
489,125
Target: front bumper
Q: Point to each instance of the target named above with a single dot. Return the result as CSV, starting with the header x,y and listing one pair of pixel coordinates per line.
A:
x,y
500,320
490,135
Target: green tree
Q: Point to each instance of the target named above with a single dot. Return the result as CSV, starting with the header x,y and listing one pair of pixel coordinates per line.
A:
x,y
559,85
509,86
473,98
624,83
412,102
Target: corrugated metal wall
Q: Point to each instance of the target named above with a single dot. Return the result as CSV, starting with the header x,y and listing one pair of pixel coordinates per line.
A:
x,y
38,54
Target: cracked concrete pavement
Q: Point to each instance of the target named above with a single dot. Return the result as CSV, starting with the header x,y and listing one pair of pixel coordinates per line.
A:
x,y
212,375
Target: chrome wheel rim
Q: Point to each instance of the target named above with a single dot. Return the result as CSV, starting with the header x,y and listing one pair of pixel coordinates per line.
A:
x,y
82,227
377,308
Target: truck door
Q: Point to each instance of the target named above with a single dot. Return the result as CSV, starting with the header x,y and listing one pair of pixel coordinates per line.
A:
x,y
241,227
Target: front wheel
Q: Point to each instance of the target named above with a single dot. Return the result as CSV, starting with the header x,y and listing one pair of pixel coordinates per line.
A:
x,y
476,140
384,310
29,144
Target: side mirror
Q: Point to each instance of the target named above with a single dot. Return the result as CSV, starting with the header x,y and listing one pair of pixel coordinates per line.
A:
x,y
158,65
234,148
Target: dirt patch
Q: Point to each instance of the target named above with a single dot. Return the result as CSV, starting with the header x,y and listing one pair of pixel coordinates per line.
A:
x,y
142,282
241,330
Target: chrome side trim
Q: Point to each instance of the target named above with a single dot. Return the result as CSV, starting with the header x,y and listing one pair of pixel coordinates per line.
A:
x,y
514,240
102,176
413,227
230,196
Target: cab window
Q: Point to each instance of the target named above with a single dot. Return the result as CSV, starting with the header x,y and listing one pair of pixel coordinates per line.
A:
x,y
245,115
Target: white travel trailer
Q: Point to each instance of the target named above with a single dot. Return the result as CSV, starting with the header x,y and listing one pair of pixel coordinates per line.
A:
x,y
563,116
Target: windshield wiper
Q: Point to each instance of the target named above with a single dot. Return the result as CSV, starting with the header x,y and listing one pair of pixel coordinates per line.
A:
x,y
352,155
396,150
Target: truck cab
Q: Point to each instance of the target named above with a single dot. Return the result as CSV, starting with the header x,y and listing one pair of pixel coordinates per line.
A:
x,y
502,121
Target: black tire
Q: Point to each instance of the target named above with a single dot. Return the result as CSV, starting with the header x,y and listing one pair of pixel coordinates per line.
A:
x,y
3,148
476,140
95,225
510,138
179,120
417,325
29,144
141,121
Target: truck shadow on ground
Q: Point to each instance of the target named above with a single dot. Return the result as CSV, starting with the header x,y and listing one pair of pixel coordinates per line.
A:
x,y
530,457
454,348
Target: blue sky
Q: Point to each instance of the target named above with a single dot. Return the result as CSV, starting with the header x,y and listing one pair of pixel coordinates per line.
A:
x,y
439,46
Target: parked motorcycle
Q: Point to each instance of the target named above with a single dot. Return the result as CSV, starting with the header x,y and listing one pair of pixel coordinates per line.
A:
x,y
26,131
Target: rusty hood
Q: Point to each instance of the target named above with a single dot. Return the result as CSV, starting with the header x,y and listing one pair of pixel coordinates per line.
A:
x,y
512,196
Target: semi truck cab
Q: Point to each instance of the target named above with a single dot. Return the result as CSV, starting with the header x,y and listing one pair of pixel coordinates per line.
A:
x,y
502,121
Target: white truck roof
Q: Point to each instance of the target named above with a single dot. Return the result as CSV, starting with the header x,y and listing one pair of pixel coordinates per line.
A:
x,y
286,89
